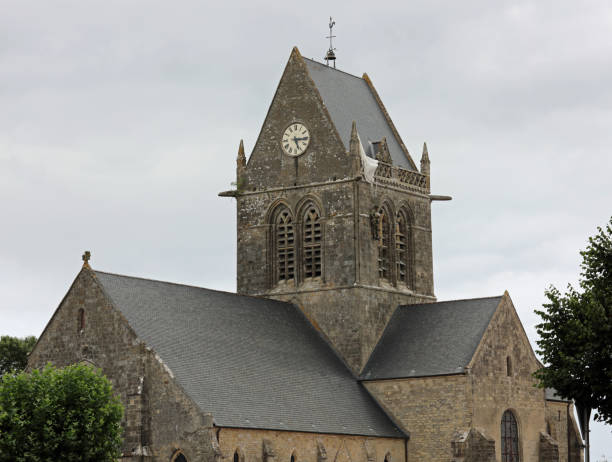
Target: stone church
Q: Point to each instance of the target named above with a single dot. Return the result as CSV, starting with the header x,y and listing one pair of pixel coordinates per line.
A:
x,y
335,348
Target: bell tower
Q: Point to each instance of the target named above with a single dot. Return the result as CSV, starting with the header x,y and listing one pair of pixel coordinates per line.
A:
x,y
333,214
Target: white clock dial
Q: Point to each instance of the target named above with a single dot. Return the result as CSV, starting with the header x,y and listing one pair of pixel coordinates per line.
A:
x,y
295,139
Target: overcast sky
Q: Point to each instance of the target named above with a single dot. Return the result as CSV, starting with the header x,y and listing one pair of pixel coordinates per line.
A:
x,y
120,123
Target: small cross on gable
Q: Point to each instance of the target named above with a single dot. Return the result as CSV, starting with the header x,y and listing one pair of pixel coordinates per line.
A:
x,y
86,256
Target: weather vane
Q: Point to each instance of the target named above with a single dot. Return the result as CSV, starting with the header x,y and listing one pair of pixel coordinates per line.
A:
x,y
330,55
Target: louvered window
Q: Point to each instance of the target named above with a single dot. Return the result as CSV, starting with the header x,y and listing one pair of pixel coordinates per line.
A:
x,y
509,438
285,246
312,244
401,249
383,245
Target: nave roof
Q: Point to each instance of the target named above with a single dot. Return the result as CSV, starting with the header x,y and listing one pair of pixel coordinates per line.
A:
x,y
431,339
251,362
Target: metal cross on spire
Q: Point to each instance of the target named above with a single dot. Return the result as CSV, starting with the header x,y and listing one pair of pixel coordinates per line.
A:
x,y
330,55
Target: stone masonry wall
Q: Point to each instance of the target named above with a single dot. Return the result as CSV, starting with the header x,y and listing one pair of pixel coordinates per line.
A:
x,y
564,430
328,174
296,100
353,319
473,446
494,389
158,418
370,198
253,260
431,409
349,303
556,420
549,449
307,447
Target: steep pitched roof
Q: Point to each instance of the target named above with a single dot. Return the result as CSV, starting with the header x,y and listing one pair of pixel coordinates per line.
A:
x,y
430,339
251,362
347,98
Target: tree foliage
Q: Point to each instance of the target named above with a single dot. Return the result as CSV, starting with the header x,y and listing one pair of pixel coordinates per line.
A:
x,y
576,332
14,353
68,414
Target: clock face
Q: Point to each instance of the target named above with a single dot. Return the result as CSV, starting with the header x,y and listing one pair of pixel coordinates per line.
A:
x,y
295,139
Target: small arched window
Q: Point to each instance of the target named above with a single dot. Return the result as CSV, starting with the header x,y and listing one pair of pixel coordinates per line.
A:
x,y
178,456
384,240
311,243
388,457
508,366
285,245
81,320
236,456
509,438
293,457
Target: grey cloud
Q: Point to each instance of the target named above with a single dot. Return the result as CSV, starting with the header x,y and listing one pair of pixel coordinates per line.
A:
x,y
121,122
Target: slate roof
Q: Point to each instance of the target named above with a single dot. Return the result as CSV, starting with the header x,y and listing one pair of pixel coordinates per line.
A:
x,y
551,395
347,98
251,362
430,339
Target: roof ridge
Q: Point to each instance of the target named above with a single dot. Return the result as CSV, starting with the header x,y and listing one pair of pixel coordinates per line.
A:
x,y
332,68
189,285
453,300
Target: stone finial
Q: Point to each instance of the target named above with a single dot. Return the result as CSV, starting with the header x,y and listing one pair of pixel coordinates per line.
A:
x,y
425,160
240,161
354,151
354,143
383,154
86,256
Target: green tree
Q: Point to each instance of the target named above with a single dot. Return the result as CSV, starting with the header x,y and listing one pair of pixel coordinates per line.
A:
x,y
576,335
68,414
14,353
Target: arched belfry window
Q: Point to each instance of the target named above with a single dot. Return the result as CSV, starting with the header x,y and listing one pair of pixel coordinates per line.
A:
x,y
509,438
284,236
403,249
311,243
384,241
236,456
